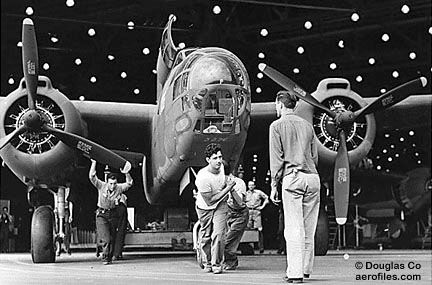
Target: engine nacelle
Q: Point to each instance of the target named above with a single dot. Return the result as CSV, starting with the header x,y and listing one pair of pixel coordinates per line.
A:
x,y
336,94
39,158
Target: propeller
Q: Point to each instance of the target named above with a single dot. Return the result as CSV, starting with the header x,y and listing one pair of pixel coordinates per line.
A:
x,y
344,120
35,123
30,61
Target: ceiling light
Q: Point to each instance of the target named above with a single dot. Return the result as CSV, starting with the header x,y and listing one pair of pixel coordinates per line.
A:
x,y
216,10
70,3
412,55
45,66
419,161
430,30
110,57
261,55
383,90
258,90
91,32
78,61
411,133
123,74
182,45
93,79
396,154
378,167
300,50
260,75
29,11
81,98
136,91
371,61
19,44
308,25
146,51
131,25
387,135
416,154
154,71
54,39
390,159
395,74
384,151
359,78
333,66
355,17
264,32
296,70
405,9
401,139
385,37
11,81
341,44
392,146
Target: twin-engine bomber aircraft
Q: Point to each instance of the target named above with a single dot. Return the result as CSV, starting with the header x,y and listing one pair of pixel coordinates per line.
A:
x,y
203,96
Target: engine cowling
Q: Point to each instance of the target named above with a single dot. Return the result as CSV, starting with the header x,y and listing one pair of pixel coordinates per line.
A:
x,y
39,158
336,94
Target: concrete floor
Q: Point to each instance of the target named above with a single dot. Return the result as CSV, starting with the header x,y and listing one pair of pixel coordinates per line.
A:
x,y
181,268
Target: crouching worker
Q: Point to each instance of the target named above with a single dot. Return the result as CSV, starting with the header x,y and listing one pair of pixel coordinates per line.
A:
x,y
237,219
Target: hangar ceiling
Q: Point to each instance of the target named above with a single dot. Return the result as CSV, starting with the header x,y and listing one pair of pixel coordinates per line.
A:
x,y
305,55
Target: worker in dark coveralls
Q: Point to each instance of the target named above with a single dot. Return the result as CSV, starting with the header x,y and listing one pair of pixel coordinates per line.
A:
x,y
107,215
121,228
237,219
293,160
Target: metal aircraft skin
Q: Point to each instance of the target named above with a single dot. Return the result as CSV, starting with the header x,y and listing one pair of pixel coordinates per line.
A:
x,y
203,96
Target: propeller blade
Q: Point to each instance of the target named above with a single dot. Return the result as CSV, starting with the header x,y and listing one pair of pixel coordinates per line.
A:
x,y
30,61
5,140
392,97
341,181
294,88
90,149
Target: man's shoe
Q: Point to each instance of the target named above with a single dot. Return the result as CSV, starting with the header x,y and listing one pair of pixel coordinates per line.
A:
x,y
217,269
306,275
106,262
261,251
230,267
293,280
207,268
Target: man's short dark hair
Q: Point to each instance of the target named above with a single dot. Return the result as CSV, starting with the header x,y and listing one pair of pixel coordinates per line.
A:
x,y
112,176
211,149
287,99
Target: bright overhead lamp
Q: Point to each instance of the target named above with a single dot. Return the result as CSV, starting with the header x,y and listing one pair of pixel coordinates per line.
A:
x,y
308,25
216,10
29,11
355,17
264,32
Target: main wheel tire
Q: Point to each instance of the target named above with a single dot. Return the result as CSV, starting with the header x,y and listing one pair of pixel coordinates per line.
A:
x,y
322,234
42,235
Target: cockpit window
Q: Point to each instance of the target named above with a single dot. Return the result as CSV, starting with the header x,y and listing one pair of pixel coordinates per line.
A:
x,y
210,70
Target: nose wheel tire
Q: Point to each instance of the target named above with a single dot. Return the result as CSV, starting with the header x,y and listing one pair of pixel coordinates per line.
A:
x,y
42,235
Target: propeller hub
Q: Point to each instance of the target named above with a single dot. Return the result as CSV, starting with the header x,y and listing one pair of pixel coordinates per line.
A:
x,y
345,119
32,119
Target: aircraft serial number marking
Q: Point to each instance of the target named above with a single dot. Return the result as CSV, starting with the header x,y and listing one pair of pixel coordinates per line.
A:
x,y
31,67
299,91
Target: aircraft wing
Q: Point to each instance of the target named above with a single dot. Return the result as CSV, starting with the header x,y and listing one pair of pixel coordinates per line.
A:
x,y
120,126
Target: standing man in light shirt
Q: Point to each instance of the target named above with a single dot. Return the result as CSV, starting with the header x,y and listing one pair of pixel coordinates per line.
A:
x,y
237,219
293,159
211,207
109,194
256,200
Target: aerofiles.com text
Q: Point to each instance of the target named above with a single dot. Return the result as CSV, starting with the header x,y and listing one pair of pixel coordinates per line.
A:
x,y
388,271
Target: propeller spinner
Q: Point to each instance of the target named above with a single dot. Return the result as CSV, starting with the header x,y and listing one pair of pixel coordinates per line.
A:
x,y
34,122
344,120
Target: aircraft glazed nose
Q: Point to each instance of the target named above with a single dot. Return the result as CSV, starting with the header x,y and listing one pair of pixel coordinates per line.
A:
x,y
210,70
